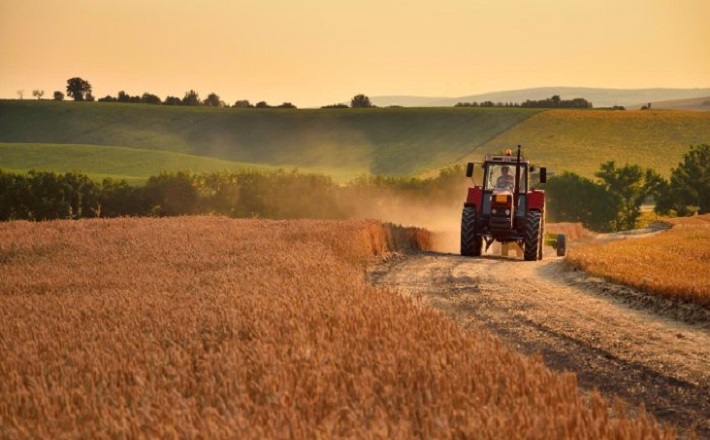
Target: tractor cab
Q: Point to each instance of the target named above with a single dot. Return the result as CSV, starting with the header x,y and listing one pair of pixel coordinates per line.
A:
x,y
501,177
503,193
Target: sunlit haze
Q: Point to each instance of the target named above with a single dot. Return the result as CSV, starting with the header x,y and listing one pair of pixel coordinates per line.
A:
x,y
319,52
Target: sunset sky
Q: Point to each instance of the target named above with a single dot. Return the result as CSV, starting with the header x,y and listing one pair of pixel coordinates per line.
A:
x,y
318,52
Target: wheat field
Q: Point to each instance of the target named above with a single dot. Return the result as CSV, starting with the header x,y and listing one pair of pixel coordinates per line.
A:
x,y
207,327
672,263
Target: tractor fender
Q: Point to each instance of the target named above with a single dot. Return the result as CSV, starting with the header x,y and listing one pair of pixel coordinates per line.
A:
x,y
536,200
474,198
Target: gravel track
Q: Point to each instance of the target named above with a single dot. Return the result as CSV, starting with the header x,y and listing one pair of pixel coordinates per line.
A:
x,y
643,349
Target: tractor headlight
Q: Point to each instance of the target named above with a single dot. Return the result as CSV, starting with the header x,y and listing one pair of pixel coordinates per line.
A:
x,y
507,212
494,211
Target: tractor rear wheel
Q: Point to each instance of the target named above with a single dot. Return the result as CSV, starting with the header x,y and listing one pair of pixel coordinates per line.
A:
x,y
533,241
470,243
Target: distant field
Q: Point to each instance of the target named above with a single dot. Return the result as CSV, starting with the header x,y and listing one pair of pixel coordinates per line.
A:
x,y
100,161
580,140
395,141
672,263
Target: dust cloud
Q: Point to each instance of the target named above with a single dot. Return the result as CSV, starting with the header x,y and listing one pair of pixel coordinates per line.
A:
x,y
439,215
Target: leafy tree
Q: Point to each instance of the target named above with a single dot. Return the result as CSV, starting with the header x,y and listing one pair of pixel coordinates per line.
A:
x,y
171,194
632,185
360,101
38,93
123,97
118,198
213,100
286,105
580,103
56,196
689,187
191,98
13,195
78,89
173,100
262,104
149,98
573,198
81,193
243,103
58,96
47,199
219,192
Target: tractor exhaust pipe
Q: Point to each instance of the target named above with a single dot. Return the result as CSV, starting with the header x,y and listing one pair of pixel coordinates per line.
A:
x,y
516,194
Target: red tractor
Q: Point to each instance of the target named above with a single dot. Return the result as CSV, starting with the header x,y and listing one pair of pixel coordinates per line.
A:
x,y
505,208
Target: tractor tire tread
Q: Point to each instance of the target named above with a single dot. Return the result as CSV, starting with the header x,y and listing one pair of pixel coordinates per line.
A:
x,y
532,236
470,243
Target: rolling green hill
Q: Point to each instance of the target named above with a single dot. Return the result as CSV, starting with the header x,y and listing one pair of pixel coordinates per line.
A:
x,y
394,141
139,140
131,164
580,140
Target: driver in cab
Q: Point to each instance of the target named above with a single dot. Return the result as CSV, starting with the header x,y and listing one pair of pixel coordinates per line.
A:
x,y
505,180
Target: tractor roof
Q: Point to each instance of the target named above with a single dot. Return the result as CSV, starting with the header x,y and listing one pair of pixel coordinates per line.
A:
x,y
504,159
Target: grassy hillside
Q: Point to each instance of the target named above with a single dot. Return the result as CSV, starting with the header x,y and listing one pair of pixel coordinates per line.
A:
x,y
580,140
99,161
394,141
344,143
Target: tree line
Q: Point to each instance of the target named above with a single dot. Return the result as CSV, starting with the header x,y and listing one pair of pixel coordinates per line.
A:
x,y
553,102
281,194
41,195
80,89
611,203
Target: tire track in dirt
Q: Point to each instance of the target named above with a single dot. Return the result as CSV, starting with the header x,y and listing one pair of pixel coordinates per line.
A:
x,y
613,338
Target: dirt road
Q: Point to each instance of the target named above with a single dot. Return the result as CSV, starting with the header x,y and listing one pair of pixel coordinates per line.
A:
x,y
619,341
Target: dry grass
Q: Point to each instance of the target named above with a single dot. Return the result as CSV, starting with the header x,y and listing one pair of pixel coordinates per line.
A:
x,y
673,263
572,231
215,328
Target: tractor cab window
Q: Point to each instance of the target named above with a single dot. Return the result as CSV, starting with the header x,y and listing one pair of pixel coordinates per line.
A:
x,y
502,177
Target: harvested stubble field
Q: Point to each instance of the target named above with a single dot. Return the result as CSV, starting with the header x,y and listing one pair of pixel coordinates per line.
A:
x,y
672,263
216,328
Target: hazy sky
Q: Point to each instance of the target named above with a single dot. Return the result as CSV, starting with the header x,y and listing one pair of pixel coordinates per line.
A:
x,y
318,52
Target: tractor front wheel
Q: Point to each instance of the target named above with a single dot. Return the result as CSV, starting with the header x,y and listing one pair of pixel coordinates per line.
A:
x,y
470,243
533,241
